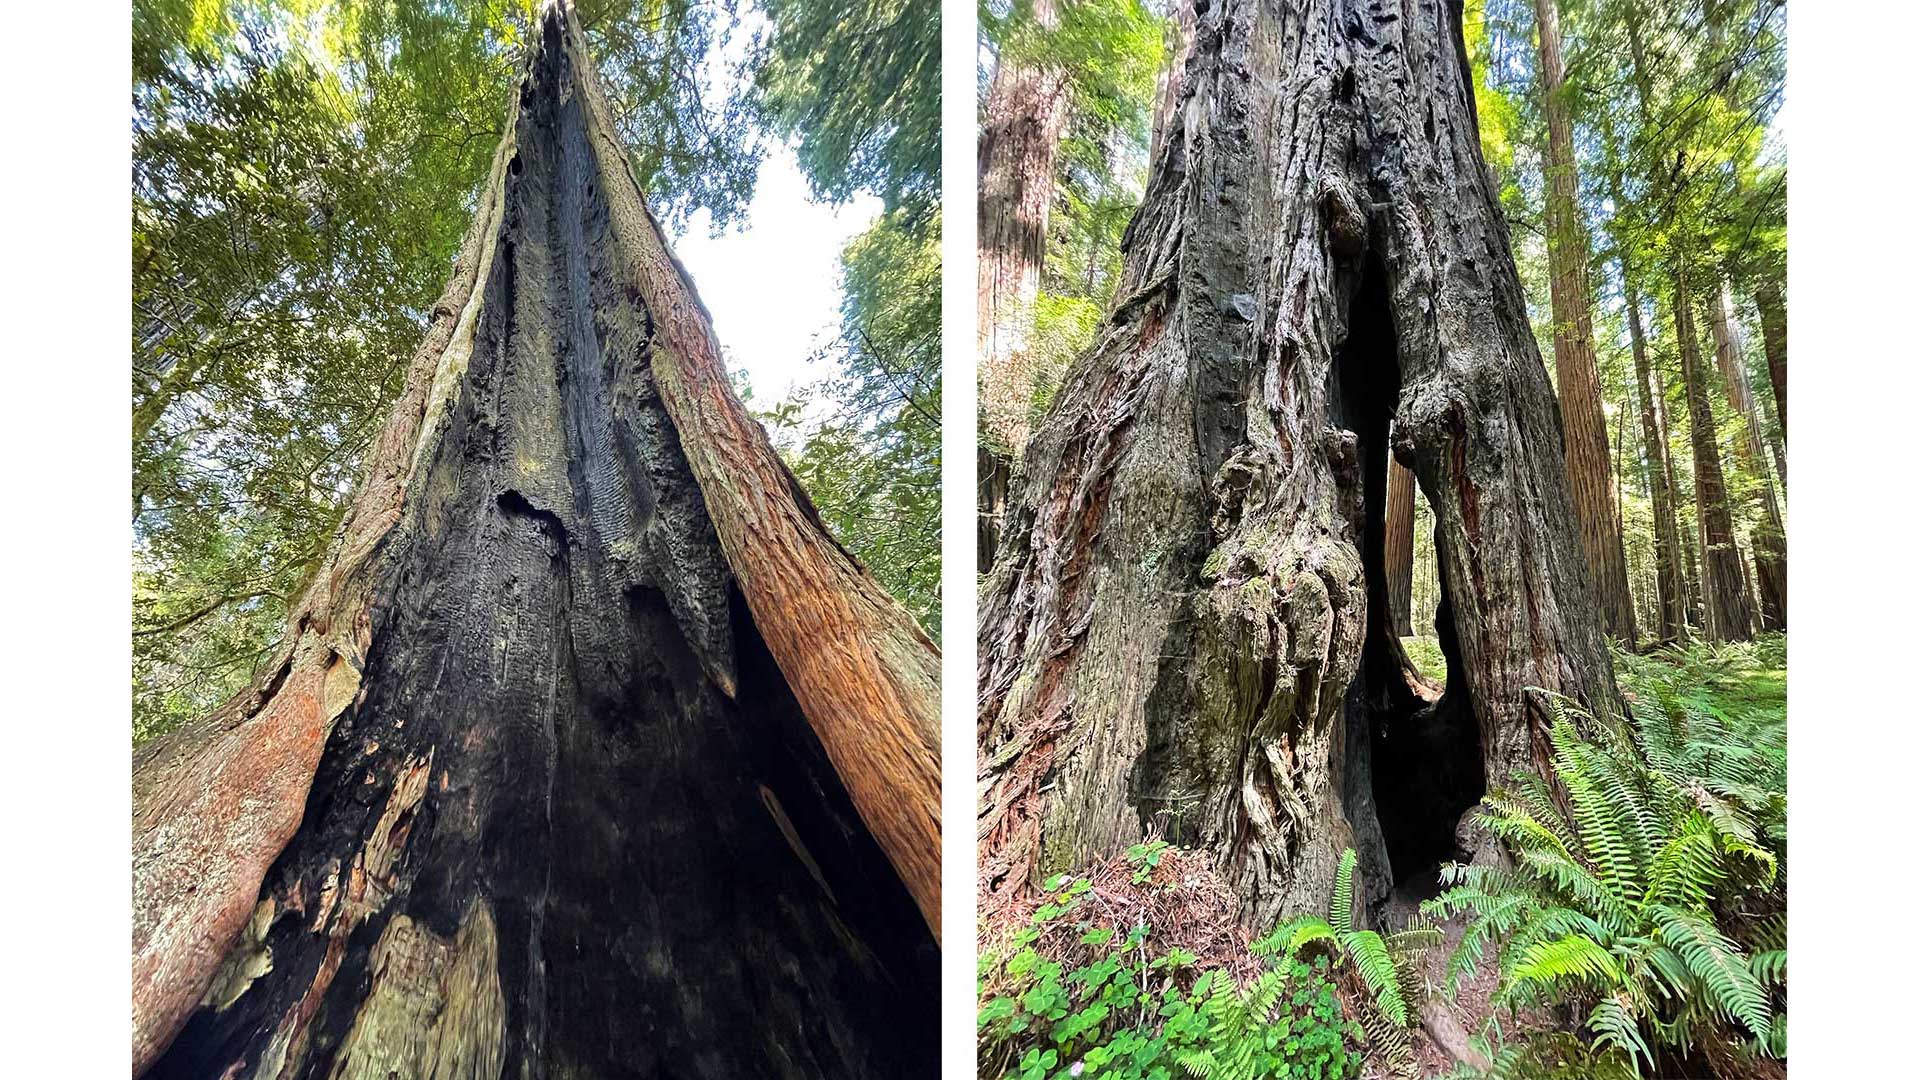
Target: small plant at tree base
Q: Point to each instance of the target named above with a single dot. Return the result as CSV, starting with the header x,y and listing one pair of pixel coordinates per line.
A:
x,y
1388,965
1616,903
1130,1014
1146,859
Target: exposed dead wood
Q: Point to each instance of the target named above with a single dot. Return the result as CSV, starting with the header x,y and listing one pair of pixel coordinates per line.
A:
x,y
588,750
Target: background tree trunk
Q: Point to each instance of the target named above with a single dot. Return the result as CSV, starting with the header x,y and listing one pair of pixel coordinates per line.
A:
x,y
1723,584
588,752
1589,468
1770,535
1178,630
1399,550
1773,332
1670,580
1026,117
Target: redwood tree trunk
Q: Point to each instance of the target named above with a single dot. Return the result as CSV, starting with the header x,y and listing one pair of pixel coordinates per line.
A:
x,y
1188,622
1026,117
1723,585
1399,549
1670,579
1770,535
1589,467
1773,332
588,752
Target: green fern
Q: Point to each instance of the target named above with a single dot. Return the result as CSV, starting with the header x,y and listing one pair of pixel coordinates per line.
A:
x,y
1388,966
1610,904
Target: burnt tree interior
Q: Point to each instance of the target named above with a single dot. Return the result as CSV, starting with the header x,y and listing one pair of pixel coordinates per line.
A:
x,y
573,734
1413,758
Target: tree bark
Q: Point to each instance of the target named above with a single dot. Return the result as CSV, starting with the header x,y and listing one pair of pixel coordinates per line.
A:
x,y
1770,535
1399,550
588,751
1773,333
1178,629
1026,116
1723,584
1589,467
1670,579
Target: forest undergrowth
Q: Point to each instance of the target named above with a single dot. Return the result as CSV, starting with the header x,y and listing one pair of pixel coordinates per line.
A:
x,y
1639,928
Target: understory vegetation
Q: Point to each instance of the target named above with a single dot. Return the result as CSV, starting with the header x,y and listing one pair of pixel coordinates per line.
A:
x,y
1640,930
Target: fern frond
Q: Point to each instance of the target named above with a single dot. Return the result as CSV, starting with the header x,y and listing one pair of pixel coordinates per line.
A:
x,y
1340,912
1375,963
1575,958
1722,970
1614,1025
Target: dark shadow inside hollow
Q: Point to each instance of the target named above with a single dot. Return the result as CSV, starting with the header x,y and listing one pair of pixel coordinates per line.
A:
x,y
1412,763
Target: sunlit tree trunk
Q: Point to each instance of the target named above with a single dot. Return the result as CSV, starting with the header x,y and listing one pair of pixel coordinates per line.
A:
x,y
1723,584
1670,579
1399,551
1773,333
1589,466
1187,625
1026,116
588,752
1770,535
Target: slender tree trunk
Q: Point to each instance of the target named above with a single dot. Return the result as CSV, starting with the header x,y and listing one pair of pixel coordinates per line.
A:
x,y
1589,467
1773,332
588,752
1399,541
1770,535
1669,578
1729,612
1026,117
1188,625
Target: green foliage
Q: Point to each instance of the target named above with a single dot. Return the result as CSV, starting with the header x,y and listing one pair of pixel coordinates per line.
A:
x,y
857,86
1129,1013
1388,965
1648,888
1146,859
872,466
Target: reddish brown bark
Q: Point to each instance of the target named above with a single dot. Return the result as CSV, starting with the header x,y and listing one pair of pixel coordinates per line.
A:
x,y
1589,466
1773,331
1669,574
1399,551
1723,583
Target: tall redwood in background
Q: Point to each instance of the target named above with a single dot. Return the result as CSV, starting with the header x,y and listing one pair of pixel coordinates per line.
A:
x,y
1188,627
588,752
1589,468
1723,578
1770,534
1399,547
1026,116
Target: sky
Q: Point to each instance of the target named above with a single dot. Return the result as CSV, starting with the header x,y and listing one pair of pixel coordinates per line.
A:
x,y
773,285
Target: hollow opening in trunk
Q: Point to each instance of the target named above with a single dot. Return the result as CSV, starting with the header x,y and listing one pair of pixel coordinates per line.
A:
x,y
1413,761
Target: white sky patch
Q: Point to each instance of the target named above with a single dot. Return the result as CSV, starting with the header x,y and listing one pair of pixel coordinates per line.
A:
x,y
773,285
